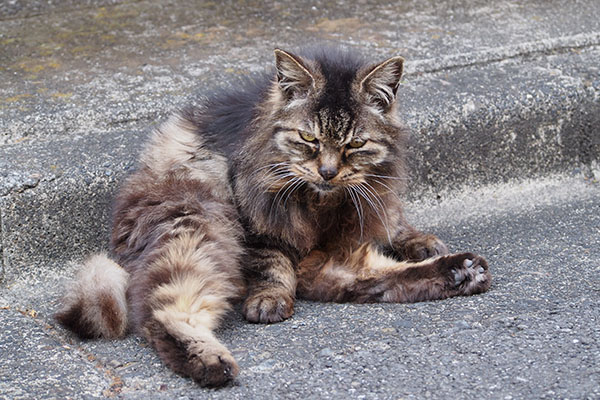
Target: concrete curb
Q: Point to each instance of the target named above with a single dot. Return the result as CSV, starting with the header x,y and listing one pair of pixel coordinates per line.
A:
x,y
508,113
496,54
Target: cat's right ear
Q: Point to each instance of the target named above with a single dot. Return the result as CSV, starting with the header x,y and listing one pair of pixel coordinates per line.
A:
x,y
293,76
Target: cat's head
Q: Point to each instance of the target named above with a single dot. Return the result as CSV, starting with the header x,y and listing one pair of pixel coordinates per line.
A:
x,y
334,116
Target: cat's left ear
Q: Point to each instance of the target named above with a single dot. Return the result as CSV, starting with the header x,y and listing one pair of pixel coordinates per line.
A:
x,y
382,81
293,75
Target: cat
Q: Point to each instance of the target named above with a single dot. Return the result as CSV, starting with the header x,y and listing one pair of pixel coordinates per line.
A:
x,y
283,186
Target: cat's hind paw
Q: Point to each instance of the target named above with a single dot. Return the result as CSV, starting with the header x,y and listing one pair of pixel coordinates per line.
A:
x,y
211,366
192,352
467,273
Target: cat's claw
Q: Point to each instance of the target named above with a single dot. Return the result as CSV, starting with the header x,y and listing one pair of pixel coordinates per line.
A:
x,y
457,277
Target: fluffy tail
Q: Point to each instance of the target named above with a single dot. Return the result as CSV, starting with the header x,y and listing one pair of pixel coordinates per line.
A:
x,y
94,304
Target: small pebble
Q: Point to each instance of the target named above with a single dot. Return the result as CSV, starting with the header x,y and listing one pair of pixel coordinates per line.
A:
x,y
326,352
462,324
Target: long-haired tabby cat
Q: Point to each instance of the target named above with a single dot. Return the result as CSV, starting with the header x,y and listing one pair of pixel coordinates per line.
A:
x,y
282,186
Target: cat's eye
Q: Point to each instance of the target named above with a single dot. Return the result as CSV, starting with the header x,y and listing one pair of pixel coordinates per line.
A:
x,y
307,136
356,143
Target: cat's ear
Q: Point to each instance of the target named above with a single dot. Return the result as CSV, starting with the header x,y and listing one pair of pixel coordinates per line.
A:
x,y
382,81
293,76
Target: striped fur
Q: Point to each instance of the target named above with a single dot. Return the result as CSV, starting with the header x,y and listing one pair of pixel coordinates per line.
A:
x,y
285,185
176,233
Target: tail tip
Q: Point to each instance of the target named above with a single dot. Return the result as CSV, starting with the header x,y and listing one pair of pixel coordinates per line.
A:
x,y
94,304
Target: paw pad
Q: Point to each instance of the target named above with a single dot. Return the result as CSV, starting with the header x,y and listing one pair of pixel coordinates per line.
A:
x,y
471,269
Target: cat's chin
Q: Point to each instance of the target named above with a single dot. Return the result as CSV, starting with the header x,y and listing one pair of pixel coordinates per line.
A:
x,y
324,187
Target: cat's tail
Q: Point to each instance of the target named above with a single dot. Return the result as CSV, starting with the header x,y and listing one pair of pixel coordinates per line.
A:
x,y
94,304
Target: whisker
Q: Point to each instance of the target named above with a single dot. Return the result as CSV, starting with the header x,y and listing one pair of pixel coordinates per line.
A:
x,y
383,209
271,175
387,177
366,194
277,172
282,190
377,197
359,210
292,182
287,164
296,186
278,178
390,189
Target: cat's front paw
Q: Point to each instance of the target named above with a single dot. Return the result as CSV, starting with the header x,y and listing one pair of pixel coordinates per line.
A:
x,y
466,273
268,306
424,246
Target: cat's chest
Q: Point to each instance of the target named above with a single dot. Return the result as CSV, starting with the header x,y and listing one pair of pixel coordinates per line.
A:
x,y
307,225
337,226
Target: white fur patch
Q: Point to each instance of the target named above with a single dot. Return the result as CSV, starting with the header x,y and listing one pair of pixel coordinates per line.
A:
x,y
199,296
173,143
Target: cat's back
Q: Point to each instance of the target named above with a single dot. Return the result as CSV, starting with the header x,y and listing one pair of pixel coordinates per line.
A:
x,y
224,117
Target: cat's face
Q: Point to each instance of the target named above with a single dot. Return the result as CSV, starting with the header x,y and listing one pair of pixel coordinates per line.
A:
x,y
332,155
335,125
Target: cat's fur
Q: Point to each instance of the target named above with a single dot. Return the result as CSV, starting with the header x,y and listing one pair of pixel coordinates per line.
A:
x,y
283,186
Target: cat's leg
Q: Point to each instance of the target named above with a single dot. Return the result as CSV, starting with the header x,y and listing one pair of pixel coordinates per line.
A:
x,y
179,298
412,245
369,276
182,248
176,232
271,282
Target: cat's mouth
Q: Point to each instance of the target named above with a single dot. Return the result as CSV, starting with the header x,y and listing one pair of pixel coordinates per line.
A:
x,y
324,186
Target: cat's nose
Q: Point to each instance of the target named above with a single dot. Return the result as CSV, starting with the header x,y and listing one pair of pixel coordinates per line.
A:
x,y
328,171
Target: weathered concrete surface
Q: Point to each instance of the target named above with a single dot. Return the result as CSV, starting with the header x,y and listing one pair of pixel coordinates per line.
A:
x,y
535,334
37,363
56,198
77,69
106,65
